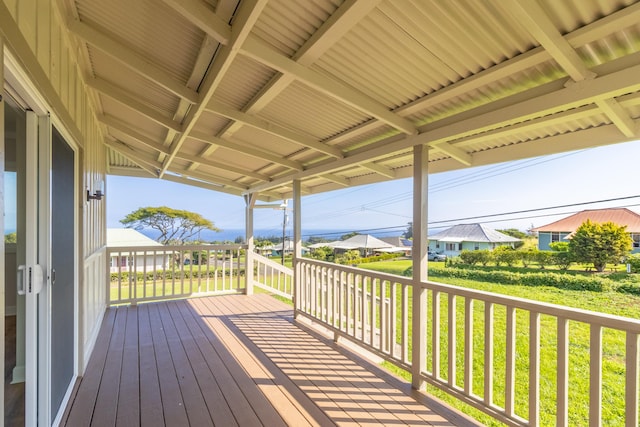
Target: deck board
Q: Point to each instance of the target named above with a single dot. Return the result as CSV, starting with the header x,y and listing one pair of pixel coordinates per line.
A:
x,y
231,360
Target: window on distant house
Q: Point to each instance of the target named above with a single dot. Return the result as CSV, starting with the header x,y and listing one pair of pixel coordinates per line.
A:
x,y
451,247
636,240
476,246
437,245
555,236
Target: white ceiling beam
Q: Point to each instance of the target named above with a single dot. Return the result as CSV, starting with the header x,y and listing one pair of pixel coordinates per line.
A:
x,y
201,184
145,162
379,169
130,172
542,29
532,104
454,152
131,59
201,15
125,128
618,116
254,152
273,129
336,179
207,177
123,97
247,15
535,20
261,52
223,166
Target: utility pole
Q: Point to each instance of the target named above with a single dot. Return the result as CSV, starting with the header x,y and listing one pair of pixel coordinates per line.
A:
x,y
283,206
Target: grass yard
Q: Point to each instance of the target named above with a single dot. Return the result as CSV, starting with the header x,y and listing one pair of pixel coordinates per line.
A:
x,y
613,345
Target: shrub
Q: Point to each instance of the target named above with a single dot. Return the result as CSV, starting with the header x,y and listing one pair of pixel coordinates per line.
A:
x,y
543,258
505,254
476,257
557,280
562,259
634,261
528,256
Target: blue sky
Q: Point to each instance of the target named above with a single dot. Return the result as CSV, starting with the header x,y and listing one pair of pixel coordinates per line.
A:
x,y
574,177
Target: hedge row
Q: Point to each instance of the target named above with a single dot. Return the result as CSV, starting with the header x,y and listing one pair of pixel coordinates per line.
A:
x,y
557,280
169,275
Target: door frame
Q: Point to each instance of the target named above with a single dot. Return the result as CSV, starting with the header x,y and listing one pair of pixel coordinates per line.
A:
x,y
18,80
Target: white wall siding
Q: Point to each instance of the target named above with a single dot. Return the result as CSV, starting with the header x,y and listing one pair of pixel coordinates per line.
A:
x,y
37,38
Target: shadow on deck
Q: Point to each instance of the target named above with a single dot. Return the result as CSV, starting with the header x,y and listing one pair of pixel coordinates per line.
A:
x,y
235,360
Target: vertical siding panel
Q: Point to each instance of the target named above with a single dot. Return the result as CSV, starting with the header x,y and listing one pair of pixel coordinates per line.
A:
x,y
12,5
43,39
54,77
64,73
27,21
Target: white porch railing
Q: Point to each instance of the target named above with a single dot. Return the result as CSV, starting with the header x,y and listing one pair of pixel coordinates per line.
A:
x,y
545,346
272,276
542,347
162,272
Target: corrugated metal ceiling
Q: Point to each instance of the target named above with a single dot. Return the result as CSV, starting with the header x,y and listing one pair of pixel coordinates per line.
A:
x,y
337,93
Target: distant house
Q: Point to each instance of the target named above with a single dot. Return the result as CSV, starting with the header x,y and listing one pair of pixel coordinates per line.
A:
x,y
400,243
138,261
366,244
471,237
560,230
276,250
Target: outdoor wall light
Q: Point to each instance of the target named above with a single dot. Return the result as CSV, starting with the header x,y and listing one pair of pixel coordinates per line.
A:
x,y
98,194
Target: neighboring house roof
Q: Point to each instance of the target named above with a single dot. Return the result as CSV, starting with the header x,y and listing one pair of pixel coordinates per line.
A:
x,y
361,241
128,237
619,216
472,233
398,241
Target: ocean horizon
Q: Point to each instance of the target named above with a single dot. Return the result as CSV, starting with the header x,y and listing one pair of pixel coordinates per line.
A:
x,y
231,234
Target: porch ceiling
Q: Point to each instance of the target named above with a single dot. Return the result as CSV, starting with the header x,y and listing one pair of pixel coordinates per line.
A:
x,y
247,96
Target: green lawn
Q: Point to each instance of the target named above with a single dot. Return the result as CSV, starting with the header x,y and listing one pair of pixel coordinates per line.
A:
x,y
613,345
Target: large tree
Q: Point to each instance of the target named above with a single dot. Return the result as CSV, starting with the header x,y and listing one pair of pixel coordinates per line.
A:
x,y
600,243
175,226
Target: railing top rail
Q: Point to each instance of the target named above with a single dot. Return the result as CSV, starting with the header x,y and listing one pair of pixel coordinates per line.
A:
x,y
169,248
570,313
271,263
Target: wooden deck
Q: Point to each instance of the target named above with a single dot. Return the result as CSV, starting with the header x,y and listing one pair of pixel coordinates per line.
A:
x,y
233,360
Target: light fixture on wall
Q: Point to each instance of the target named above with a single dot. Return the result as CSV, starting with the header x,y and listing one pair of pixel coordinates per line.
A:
x,y
98,194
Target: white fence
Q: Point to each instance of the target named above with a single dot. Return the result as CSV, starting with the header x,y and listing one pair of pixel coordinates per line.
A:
x,y
163,272
542,348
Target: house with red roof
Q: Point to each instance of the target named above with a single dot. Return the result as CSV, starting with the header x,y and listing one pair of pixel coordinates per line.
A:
x,y
560,230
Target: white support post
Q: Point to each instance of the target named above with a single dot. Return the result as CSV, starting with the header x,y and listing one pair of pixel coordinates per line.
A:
x,y
250,200
419,255
297,242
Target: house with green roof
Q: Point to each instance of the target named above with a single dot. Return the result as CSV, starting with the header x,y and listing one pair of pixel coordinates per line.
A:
x,y
471,237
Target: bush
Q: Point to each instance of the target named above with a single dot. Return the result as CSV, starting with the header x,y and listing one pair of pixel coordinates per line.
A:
x,y
543,258
557,280
476,257
562,259
634,261
505,254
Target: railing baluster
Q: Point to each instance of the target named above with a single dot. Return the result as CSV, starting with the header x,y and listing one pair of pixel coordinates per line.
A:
x,y
562,393
405,323
632,379
468,346
452,323
488,353
435,333
534,368
595,375
510,362
372,312
393,318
